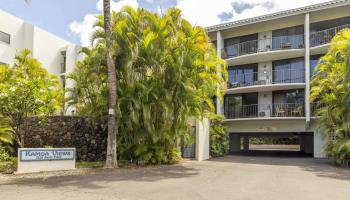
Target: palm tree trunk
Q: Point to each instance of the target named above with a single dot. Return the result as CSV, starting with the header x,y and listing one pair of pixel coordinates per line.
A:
x,y
111,159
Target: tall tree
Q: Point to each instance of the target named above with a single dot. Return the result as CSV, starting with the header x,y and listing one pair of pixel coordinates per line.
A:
x,y
167,75
26,90
111,159
331,88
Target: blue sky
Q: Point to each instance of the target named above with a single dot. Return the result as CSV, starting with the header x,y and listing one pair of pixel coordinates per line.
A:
x,y
73,19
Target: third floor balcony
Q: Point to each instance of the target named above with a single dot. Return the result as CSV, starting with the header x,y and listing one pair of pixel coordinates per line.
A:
x,y
264,45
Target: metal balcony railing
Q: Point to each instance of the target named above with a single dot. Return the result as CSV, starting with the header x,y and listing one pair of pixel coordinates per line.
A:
x,y
265,110
267,77
242,111
288,110
288,76
315,107
325,36
261,45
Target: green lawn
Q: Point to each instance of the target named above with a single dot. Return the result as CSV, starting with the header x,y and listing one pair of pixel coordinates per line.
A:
x,y
96,164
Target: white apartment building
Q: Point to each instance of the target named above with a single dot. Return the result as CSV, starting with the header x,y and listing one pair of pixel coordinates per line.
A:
x,y
271,59
57,55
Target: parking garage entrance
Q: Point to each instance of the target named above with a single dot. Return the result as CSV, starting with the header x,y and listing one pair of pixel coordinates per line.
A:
x,y
299,144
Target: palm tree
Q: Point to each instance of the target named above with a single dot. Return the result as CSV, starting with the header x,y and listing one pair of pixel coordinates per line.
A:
x,y
6,132
111,160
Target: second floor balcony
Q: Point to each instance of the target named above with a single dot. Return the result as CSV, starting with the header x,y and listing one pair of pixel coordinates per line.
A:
x,y
280,110
263,45
266,77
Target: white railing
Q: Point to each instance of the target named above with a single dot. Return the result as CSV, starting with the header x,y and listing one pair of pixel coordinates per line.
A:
x,y
267,77
265,110
325,36
261,45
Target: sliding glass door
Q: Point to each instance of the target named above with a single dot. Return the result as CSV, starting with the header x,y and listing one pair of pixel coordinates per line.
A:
x,y
289,71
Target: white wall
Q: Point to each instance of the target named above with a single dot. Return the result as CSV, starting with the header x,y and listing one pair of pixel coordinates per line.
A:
x,y
202,139
14,26
319,144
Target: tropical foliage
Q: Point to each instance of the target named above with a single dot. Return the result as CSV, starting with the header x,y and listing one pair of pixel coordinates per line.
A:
x,y
27,89
331,88
167,72
219,137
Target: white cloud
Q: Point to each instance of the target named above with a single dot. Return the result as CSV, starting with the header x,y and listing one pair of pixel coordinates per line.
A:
x,y
84,29
198,12
206,12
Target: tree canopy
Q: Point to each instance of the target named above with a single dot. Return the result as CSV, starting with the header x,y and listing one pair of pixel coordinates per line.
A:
x,y
27,89
331,89
167,72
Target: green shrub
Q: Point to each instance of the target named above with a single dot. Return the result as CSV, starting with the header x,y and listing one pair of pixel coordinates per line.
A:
x,y
9,166
4,155
339,151
219,137
148,154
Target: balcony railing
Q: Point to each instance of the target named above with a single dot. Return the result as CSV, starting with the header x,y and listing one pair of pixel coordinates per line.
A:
x,y
315,108
267,77
288,76
325,36
265,110
262,45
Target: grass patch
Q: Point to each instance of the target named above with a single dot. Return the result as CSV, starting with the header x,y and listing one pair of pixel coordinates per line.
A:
x,y
96,164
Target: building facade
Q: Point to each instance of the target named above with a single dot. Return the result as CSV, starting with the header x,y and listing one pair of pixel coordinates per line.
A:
x,y
57,55
271,60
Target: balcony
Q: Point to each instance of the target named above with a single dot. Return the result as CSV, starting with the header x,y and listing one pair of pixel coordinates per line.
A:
x,y
325,36
275,110
264,45
267,77
315,108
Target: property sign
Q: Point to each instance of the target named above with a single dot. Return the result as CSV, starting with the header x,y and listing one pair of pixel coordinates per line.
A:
x,y
46,154
45,159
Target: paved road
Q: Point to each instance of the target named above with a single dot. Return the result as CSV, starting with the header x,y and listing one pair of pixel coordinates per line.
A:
x,y
232,177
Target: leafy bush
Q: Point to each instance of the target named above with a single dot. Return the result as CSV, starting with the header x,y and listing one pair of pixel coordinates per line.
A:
x,y
4,155
148,154
339,151
9,166
219,137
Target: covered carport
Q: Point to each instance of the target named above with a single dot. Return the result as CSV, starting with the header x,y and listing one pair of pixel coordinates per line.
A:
x,y
243,143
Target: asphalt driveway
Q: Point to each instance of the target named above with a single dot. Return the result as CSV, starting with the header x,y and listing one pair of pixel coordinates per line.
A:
x,y
232,177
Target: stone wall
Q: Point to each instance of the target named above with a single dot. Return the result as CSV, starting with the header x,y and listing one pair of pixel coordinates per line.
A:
x,y
88,137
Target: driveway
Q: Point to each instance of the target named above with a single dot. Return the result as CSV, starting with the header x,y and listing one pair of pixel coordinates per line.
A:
x,y
232,177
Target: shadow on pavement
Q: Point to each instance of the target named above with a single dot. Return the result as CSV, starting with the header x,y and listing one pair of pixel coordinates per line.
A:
x,y
97,178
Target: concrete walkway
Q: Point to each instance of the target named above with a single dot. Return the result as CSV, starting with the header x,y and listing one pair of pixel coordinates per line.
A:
x,y
232,177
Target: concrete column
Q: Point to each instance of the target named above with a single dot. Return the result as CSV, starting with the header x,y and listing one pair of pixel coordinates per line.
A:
x,y
245,143
219,45
202,139
307,68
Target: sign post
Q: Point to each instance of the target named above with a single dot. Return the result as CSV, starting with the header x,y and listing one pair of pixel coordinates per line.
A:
x,y
45,159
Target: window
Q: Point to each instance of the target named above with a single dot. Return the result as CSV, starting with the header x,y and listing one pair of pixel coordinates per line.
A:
x,y
241,105
63,64
288,97
288,38
245,75
241,45
313,63
289,71
4,37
